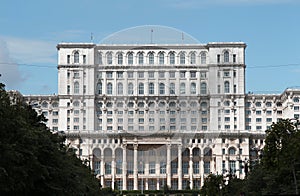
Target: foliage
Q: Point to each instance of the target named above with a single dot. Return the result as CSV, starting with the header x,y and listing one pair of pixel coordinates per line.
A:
x,y
33,161
213,184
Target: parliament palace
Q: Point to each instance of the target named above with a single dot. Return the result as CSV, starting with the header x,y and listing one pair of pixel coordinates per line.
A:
x,y
144,115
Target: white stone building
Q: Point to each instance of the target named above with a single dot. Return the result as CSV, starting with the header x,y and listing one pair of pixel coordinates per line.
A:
x,y
146,115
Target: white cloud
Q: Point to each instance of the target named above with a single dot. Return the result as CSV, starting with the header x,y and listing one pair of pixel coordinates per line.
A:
x,y
11,75
31,51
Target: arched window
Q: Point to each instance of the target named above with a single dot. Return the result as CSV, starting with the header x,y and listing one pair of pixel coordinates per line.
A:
x,y
172,88
120,59
203,88
76,57
55,105
231,151
161,58
130,89
226,56
193,58
141,88
76,88
141,58
99,88
109,58
130,59
226,87
203,58
151,89
44,104
182,88
172,58
193,88
207,152
182,58
151,58
161,88
120,88
109,88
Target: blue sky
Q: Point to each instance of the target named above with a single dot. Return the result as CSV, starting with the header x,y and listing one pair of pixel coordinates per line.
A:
x,y
30,31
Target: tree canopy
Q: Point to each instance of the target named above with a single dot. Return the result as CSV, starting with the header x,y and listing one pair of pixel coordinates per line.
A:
x,y
35,161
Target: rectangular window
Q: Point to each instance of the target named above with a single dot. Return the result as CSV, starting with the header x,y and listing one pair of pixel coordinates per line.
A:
x,y
162,167
151,74
185,167
269,119
234,58
182,74
141,74
226,74
109,74
218,58
172,74
196,167
130,74
152,167
120,74
193,74
206,167
84,59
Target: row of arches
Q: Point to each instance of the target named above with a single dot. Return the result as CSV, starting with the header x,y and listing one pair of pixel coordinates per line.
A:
x,y
151,57
153,88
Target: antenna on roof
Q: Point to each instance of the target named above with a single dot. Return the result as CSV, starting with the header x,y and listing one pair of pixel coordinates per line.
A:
x,y
151,42
92,37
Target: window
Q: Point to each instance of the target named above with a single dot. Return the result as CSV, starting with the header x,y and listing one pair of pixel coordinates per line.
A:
x,y
109,58
161,74
151,74
234,88
120,59
141,58
161,88
196,167
172,58
141,88
296,99
130,59
185,167
152,167
109,74
68,59
234,58
218,58
193,74
182,58
162,167
231,151
99,88
120,74
226,57
258,104
193,58
203,88
226,87
207,167
269,119
141,74
120,88
130,89
76,88
109,88
130,74
182,74
76,57
161,58
151,58
203,58
84,59
182,88
172,88
232,169
151,89
193,88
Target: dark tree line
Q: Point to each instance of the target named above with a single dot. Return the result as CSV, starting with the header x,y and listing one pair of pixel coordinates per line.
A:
x,y
34,161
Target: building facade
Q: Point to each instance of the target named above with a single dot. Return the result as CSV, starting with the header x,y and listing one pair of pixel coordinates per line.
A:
x,y
149,115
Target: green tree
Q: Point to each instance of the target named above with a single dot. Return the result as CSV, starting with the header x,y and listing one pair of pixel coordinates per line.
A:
x,y
213,185
281,158
33,161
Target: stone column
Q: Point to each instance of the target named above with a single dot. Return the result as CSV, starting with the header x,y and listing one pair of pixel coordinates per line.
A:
x,y
202,171
102,171
168,167
135,166
113,170
179,172
191,168
124,168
